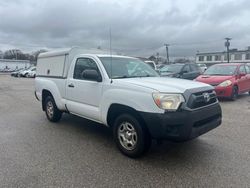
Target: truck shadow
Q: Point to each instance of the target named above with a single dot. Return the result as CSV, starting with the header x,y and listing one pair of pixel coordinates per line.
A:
x,y
169,153
86,127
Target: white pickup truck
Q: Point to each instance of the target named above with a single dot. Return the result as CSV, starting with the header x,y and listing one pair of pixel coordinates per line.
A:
x,y
126,95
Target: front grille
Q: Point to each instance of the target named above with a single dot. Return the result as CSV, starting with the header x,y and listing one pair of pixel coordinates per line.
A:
x,y
201,99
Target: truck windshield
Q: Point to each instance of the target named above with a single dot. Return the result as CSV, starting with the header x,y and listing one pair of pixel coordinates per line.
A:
x,y
127,68
223,70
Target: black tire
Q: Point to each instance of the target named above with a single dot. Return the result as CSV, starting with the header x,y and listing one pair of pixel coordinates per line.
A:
x,y
52,112
142,138
235,93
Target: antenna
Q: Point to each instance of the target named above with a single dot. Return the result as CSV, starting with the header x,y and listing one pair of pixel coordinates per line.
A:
x,y
110,48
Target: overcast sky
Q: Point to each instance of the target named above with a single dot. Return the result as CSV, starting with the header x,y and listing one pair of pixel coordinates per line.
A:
x,y
139,27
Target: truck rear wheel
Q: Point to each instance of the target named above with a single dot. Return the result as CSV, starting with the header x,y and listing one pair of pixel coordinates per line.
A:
x,y
131,137
52,112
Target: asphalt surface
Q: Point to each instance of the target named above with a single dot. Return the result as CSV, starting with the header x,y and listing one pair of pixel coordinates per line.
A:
x,y
79,153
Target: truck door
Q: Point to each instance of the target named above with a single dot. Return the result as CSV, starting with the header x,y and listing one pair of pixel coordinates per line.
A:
x,y
83,95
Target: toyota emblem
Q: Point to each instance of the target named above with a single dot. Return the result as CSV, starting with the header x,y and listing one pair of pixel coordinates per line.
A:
x,y
206,97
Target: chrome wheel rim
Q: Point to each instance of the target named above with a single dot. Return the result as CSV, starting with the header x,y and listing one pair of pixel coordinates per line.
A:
x,y
127,135
50,109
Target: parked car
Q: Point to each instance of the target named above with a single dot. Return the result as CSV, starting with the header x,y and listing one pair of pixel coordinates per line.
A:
x,y
186,71
152,64
159,66
202,66
7,70
25,72
32,73
229,80
127,95
16,73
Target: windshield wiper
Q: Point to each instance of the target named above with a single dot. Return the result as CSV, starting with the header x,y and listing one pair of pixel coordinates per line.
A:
x,y
143,76
120,77
125,76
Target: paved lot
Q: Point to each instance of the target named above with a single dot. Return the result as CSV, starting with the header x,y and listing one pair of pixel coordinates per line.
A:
x,y
79,153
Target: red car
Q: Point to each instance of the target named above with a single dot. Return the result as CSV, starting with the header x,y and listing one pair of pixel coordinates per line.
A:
x,y
229,80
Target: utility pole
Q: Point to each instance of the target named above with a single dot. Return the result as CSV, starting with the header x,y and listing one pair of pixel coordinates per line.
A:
x,y
167,45
227,45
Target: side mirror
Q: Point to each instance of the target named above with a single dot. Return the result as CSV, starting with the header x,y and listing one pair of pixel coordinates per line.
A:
x,y
92,75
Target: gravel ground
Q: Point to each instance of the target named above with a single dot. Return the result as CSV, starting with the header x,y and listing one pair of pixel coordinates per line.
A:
x,y
80,153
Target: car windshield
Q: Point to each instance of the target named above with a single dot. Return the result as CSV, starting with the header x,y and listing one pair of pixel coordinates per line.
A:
x,y
127,68
171,68
222,70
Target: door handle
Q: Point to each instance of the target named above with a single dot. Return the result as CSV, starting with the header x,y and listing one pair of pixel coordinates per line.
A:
x,y
71,85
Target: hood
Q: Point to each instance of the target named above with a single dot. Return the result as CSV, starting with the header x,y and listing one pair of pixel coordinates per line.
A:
x,y
213,79
164,84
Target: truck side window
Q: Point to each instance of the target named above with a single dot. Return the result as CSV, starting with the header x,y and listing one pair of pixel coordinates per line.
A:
x,y
83,64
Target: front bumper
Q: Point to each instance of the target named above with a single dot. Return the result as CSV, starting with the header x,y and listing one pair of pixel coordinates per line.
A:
x,y
183,124
223,91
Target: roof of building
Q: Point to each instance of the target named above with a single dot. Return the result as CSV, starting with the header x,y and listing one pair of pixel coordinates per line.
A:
x,y
224,52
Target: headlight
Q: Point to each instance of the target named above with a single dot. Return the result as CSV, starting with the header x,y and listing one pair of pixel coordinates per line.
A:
x,y
225,83
168,101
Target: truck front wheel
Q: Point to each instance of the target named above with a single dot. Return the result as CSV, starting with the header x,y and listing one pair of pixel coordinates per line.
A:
x,y
131,136
52,112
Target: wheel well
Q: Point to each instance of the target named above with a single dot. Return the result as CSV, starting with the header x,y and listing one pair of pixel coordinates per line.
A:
x,y
235,85
45,94
117,109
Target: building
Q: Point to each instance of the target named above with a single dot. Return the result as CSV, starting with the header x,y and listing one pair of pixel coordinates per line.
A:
x,y
11,65
235,56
